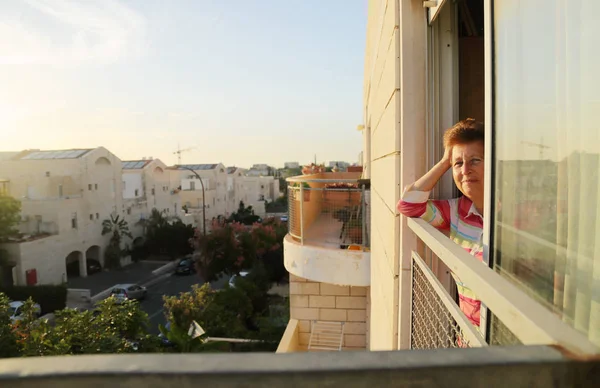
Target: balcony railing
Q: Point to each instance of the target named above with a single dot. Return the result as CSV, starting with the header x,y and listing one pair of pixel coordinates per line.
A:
x,y
329,212
436,322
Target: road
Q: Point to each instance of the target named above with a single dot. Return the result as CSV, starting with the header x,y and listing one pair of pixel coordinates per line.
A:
x,y
134,273
172,285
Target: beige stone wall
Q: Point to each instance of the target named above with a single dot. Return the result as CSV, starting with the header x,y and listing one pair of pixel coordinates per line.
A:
x,y
395,119
327,302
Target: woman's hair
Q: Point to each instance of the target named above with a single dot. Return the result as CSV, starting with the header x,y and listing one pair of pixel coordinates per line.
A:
x,y
464,132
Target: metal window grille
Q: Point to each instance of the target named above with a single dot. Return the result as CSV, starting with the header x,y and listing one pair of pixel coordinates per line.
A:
x,y
436,320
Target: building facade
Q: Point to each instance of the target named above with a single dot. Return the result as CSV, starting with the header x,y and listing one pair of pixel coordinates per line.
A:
x,y
428,65
65,196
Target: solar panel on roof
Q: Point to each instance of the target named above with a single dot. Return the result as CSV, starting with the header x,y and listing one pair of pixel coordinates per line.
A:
x,y
62,154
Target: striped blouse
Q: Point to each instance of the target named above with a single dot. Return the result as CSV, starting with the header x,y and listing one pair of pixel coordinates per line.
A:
x,y
459,219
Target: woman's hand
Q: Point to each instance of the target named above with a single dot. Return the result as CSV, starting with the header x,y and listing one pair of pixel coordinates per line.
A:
x,y
447,158
430,179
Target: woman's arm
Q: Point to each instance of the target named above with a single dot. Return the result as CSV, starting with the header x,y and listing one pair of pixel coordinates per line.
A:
x,y
428,181
415,198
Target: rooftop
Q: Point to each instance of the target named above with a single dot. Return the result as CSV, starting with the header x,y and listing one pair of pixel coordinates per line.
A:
x,y
196,167
135,164
56,154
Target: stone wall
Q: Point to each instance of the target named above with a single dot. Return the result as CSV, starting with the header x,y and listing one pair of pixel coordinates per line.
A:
x,y
328,302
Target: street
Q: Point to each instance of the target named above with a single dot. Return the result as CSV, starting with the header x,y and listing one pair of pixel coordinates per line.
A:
x,y
172,285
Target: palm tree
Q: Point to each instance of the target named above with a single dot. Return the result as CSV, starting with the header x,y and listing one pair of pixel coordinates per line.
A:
x,y
116,226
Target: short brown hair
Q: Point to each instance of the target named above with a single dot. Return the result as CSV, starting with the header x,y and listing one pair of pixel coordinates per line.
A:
x,y
464,132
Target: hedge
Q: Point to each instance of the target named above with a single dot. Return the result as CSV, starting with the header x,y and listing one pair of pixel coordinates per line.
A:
x,y
49,297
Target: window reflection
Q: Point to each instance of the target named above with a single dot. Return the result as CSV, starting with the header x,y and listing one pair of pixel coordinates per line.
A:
x,y
547,143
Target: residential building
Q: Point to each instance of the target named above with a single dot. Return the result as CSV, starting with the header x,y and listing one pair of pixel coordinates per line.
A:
x,y
147,186
65,195
291,165
261,170
192,192
428,65
340,164
255,190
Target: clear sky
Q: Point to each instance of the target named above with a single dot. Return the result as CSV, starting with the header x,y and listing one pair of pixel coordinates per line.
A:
x,y
244,81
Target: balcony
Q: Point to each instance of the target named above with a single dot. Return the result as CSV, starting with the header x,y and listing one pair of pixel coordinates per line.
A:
x,y
328,239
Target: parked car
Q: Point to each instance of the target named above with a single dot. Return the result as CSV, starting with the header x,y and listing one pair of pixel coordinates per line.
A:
x,y
15,310
234,278
186,266
93,266
123,292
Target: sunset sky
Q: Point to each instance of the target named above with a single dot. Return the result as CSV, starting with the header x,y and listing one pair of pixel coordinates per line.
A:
x,y
243,81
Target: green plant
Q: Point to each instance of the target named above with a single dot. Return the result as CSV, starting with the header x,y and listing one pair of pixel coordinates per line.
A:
x,y
10,210
49,297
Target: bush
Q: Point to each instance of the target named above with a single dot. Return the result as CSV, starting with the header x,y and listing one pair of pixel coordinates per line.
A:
x,y
49,297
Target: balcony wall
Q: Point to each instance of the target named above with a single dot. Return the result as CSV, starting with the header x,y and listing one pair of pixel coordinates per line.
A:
x,y
530,367
328,238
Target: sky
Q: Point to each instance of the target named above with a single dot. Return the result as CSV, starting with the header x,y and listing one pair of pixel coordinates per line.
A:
x,y
238,81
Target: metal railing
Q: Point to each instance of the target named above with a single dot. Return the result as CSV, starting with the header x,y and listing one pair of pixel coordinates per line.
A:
x,y
332,213
520,319
436,320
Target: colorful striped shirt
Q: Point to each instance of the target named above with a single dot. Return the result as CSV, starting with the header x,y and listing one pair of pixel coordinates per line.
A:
x,y
458,219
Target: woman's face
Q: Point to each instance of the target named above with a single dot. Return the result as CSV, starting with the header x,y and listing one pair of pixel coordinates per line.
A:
x,y
467,170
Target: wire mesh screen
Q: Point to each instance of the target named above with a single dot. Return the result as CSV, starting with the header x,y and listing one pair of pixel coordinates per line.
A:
x,y
432,324
294,212
334,217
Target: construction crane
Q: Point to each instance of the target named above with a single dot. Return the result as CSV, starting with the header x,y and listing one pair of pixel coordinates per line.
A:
x,y
179,151
540,145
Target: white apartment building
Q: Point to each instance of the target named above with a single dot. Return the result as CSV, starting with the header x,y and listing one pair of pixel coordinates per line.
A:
x,y
65,195
147,186
291,165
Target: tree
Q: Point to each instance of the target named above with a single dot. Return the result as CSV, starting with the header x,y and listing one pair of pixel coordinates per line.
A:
x,y
244,215
8,339
109,328
117,228
10,216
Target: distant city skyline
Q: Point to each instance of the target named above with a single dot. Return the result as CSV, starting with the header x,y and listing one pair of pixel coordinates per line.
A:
x,y
242,82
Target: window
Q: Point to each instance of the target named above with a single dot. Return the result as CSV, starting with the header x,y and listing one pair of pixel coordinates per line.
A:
x,y
128,211
136,192
97,216
192,185
60,191
47,173
74,221
153,192
91,217
95,186
261,198
546,229
90,187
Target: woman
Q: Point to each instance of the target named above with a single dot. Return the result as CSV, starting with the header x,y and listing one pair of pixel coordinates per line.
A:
x,y
460,218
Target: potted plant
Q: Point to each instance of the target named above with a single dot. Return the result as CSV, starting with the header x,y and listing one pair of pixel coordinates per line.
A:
x,y
306,190
313,169
343,193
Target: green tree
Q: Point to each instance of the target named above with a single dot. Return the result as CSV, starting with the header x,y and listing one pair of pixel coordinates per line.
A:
x,y
117,228
8,339
244,215
10,215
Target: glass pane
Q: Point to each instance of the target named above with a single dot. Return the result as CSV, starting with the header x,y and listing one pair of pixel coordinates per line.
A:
x,y
547,144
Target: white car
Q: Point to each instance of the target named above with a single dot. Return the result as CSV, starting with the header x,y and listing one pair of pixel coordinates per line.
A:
x,y
123,292
242,274
16,311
